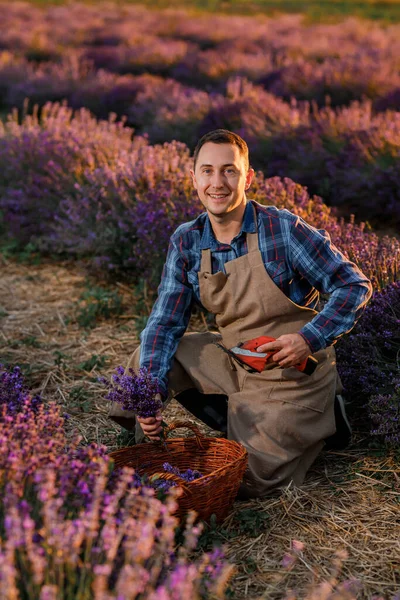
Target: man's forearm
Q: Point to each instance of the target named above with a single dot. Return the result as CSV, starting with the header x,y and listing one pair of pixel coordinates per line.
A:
x,y
168,320
158,347
339,315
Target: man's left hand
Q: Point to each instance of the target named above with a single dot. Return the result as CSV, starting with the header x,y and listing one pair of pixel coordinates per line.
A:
x,y
291,349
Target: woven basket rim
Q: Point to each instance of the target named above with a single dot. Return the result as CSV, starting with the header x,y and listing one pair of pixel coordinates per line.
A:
x,y
222,441
216,471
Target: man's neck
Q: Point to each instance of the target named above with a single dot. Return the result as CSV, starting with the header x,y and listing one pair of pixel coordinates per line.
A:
x,y
227,227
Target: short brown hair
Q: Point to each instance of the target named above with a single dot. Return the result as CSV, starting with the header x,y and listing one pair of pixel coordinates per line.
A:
x,y
223,136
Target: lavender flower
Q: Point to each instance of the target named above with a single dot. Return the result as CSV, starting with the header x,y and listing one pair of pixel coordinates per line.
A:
x,y
13,393
164,485
134,392
188,475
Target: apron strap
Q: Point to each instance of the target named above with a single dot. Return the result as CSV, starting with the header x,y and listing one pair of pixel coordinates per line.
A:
x,y
206,266
252,238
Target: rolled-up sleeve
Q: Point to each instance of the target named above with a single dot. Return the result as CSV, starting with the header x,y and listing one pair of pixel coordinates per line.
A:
x,y
316,259
169,317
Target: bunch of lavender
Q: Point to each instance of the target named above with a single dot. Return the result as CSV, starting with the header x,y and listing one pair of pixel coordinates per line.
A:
x,y
134,392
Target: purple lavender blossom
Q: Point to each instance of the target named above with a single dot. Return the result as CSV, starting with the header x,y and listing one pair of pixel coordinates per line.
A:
x,y
164,485
13,392
134,392
188,475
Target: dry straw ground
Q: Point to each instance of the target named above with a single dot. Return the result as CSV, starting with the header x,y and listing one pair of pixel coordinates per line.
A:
x,y
351,499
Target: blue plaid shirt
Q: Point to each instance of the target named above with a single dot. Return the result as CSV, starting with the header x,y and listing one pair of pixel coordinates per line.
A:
x,y
300,259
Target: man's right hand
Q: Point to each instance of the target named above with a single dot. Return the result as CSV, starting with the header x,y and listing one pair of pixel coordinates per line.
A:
x,y
151,426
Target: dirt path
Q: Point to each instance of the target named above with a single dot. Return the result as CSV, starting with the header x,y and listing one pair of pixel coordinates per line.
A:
x,y
350,501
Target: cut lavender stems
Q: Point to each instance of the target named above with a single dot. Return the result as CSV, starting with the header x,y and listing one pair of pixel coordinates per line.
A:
x,y
134,392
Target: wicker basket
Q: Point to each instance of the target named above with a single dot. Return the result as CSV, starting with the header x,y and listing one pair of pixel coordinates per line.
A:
x,y
222,463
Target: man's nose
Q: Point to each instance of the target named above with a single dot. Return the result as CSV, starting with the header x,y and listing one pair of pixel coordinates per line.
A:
x,y
218,180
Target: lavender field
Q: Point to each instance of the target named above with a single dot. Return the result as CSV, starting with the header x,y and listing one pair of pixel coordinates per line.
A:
x,y
101,106
317,103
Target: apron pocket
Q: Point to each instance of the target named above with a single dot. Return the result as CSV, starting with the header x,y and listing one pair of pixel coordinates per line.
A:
x,y
315,391
318,405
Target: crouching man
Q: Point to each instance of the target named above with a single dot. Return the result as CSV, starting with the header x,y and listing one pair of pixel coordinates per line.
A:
x,y
259,270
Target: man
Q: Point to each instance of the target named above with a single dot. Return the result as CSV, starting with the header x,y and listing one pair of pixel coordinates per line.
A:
x,y
260,271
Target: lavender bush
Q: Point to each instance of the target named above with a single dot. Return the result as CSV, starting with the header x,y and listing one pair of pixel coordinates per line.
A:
x,y
368,364
72,528
13,391
385,413
43,161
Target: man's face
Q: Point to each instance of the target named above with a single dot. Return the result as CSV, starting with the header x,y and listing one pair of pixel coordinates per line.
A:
x,y
221,178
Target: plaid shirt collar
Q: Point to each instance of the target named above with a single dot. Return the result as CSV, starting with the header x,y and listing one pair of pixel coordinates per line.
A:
x,y
208,239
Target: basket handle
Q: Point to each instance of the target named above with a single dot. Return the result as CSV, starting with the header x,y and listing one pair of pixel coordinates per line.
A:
x,y
189,425
172,477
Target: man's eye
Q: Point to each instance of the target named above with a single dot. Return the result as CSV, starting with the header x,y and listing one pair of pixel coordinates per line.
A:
x,y
230,170
206,170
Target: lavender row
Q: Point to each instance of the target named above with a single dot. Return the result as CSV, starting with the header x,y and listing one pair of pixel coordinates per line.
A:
x,y
348,155
71,527
76,187
289,58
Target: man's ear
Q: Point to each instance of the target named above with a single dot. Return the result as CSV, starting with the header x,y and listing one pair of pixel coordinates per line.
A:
x,y
193,179
249,177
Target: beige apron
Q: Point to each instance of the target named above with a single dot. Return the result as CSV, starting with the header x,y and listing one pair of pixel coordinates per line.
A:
x,y
280,415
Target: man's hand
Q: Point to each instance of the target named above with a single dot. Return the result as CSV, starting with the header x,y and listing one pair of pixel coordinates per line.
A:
x,y
152,425
291,349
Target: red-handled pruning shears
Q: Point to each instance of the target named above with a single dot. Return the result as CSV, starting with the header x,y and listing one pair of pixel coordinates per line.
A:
x,y
247,356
